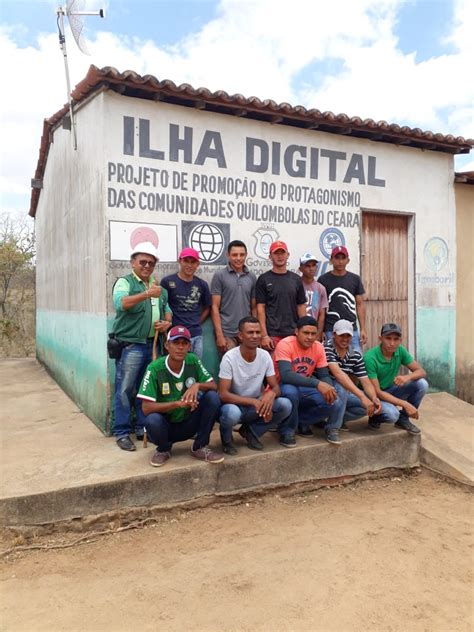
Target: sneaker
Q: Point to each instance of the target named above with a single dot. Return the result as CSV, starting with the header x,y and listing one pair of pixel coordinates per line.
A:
x,y
159,458
125,443
406,424
344,427
252,442
373,425
288,441
332,436
304,431
229,448
206,454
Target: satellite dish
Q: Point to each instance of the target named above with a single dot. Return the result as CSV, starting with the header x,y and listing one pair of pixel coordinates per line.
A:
x,y
73,12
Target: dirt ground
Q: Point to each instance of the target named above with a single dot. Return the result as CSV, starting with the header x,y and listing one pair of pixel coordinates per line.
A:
x,y
384,555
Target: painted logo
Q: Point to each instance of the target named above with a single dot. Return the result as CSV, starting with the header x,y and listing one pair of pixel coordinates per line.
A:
x,y
436,254
264,237
210,240
330,238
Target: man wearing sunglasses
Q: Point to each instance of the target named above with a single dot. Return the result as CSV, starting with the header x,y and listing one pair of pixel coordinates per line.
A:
x,y
141,310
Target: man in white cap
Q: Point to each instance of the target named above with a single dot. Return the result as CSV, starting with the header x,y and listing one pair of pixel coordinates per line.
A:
x,y
141,309
316,296
346,366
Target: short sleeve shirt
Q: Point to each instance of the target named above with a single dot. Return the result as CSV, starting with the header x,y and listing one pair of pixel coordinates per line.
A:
x,y
281,294
316,298
341,292
236,292
247,377
352,363
187,300
303,361
383,370
161,385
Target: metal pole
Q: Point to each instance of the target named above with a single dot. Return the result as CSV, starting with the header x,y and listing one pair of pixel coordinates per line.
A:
x,y
62,43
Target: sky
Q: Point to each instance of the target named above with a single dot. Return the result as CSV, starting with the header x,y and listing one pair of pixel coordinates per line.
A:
x,y
403,61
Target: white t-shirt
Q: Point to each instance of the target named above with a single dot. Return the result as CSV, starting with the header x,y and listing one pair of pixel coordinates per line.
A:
x,y
247,377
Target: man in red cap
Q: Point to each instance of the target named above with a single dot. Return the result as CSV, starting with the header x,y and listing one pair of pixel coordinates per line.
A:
x,y
189,297
281,298
346,297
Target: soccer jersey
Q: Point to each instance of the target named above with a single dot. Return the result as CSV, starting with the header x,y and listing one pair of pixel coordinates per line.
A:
x,y
383,370
352,363
160,384
303,361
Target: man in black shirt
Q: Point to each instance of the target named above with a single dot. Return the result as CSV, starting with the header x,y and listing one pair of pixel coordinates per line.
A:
x,y
345,296
281,298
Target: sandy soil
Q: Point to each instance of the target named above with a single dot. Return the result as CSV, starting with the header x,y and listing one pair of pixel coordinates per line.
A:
x,y
385,555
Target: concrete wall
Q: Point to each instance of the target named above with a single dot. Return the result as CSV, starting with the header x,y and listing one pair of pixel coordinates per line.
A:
x,y
71,323
465,292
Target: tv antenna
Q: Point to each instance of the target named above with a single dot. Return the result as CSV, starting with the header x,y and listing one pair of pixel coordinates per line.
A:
x,y
74,12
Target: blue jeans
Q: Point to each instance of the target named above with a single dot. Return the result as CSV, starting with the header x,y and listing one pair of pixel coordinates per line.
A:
x,y
231,415
129,371
197,346
352,408
355,344
164,433
412,392
309,406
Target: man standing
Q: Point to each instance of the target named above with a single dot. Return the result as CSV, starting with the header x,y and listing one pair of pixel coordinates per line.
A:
x,y
346,366
233,296
317,300
246,401
403,392
179,400
141,309
281,299
345,295
306,382
189,297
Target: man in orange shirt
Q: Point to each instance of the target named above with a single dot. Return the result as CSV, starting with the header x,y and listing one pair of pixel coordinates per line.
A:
x,y
305,380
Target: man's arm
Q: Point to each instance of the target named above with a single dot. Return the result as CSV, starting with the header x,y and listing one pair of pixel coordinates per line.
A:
x,y
360,309
253,307
267,342
216,321
320,380
410,410
321,319
349,385
228,397
416,373
301,310
188,400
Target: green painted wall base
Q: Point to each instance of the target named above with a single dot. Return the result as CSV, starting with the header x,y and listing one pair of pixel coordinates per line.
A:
x,y
436,345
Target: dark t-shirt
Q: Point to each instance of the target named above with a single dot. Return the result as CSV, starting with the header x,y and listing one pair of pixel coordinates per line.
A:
x,y
280,293
341,291
187,300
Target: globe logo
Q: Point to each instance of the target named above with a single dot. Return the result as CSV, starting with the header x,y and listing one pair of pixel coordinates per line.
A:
x,y
208,240
436,254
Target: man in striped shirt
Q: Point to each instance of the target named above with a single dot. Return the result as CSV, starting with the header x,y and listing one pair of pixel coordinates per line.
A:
x,y
346,365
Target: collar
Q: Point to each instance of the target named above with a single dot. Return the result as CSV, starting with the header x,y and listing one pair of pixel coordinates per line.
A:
x,y
171,371
138,279
229,268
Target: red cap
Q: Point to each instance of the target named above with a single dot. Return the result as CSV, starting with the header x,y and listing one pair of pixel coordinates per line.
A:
x,y
339,250
278,245
179,332
189,252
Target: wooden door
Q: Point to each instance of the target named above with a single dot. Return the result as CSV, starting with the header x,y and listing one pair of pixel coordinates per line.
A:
x,y
384,271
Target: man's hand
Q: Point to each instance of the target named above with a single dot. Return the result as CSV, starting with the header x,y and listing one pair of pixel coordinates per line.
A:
x,y
410,410
328,392
401,380
363,336
154,291
377,406
267,343
368,405
162,325
221,344
190,397
266,405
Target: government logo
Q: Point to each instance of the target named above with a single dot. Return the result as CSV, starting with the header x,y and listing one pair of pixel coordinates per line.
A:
x,y
330,238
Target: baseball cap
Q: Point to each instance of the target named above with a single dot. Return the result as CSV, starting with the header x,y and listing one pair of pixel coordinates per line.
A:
x,y
307,257
390,328
278,245
146,248
189,252
343,327
339,250
179,332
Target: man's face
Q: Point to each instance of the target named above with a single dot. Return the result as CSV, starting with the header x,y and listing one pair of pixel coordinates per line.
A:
x,y
143,265
390,343
343,340
178,349
236,257
306,336
339,262
188,265
250,335
308,269
279,258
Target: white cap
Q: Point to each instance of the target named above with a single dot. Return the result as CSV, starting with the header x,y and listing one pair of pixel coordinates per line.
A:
x,y
343,327
307,257
146,248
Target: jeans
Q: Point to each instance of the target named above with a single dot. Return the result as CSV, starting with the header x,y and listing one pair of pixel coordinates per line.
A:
x,y
231,415
355,344
352,408
309,406
197,346
164,433
129,371
412,392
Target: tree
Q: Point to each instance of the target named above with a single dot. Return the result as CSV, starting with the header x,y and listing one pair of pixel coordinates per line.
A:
x,y
17,285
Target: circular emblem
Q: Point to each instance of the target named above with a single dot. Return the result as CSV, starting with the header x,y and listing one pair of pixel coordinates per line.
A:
x,y
142,234
190,381
208,240
436,253
330,238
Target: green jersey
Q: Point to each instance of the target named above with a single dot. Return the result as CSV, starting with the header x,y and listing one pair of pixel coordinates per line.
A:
x,y
383,370
160,384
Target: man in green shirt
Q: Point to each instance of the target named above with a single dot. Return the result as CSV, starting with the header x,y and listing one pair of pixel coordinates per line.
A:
x,y
179,400
395,391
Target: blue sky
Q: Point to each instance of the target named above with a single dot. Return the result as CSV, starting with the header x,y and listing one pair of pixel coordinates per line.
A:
x,y
402,61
